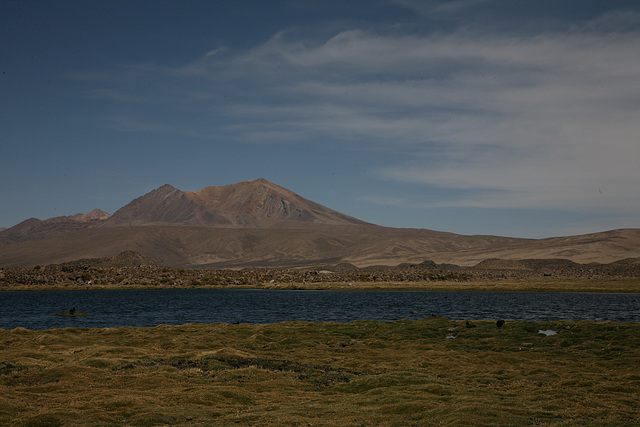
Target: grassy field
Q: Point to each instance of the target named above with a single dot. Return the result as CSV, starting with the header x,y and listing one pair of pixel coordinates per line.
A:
x,y
418,372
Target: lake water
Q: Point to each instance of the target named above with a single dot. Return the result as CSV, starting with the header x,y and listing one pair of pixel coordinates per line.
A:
x,y
109,308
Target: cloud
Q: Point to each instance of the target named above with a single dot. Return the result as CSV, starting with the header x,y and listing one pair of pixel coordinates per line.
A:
x,y
430,7
546,121
387,200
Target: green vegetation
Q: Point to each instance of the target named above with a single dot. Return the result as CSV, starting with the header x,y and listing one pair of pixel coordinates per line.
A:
x,y
406,372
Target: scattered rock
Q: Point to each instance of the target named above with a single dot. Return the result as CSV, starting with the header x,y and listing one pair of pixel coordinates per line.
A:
x,y
131,268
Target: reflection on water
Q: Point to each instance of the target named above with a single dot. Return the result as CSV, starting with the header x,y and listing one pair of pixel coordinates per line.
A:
x,y
107,308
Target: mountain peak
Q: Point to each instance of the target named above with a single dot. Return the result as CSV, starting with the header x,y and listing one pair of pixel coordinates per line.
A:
x,y
254,203
164,205
263,200
96,214
165,188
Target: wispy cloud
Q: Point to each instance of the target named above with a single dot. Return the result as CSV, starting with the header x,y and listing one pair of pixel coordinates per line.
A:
x,y
427,7
548,120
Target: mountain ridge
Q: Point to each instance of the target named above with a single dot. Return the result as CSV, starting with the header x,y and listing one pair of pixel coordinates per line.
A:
x,y
257,223
34,228
316,244
262,198
255,203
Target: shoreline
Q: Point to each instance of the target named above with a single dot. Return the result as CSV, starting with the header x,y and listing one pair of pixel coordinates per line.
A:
x,y
627,285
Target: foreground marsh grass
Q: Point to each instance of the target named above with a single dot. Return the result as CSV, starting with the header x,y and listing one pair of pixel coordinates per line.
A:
x,y
361,373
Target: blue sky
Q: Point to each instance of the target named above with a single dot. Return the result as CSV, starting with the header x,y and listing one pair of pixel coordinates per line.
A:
x,y
514,118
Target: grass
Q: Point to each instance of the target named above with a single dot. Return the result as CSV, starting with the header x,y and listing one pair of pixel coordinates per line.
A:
x,y
297,373
543,284
503,285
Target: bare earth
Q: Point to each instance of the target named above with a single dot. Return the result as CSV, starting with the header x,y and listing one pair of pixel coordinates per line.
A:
x,y
316,244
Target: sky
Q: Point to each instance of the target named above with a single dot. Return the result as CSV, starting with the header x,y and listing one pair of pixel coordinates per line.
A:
x,y
513,118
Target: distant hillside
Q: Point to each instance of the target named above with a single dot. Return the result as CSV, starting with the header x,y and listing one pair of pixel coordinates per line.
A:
x,y
251,204
260,224
314,244
34,228
123,259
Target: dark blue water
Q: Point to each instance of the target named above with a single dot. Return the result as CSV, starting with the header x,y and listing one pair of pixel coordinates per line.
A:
x,y
108,308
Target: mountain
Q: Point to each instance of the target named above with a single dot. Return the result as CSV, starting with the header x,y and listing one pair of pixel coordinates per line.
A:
x,y
164,206
251,204
256,204
260,224
35,229
263,201
94,215
313,244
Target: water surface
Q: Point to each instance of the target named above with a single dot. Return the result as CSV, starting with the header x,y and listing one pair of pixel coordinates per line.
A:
x,y
109,308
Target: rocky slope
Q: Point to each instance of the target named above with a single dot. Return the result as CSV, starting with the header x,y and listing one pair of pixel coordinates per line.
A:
x,y
263,200
133,269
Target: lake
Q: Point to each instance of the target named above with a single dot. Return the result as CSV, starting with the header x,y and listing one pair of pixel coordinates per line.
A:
x,y
109,308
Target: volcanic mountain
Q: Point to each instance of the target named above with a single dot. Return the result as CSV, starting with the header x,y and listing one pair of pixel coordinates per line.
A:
x,y
260,224
254,204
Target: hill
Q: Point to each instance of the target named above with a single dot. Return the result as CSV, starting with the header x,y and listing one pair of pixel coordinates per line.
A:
x,y
34,228
319,244
260,224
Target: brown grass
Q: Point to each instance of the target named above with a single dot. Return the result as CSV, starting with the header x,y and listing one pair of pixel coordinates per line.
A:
x,y
298,373
505,285
618,285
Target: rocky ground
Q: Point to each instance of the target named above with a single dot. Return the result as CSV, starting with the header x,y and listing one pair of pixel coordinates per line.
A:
x,y
131,269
